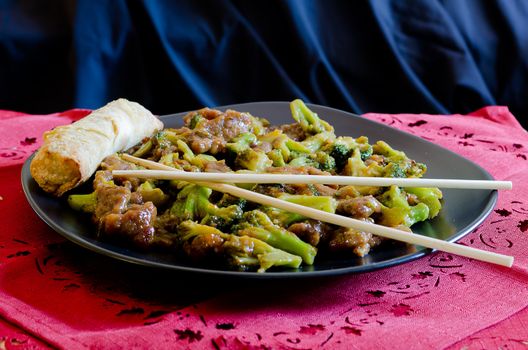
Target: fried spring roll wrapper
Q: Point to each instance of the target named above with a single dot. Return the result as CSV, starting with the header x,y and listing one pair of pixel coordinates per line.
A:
x,y
72,153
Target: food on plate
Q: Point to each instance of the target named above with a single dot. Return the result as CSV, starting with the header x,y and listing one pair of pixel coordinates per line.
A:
x,y
210,227
70,154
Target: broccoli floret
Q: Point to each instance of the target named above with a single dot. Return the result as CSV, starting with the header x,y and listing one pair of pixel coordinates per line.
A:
x,y
221,218
309,121
242,142
241,252
365,148
395,209
253,160
196,120
356,167
248,251
316,142
391,164
285,218
167,137
393,170
342,149
258,225
430,196
303,160
289,148
319,160
383,148
408,167
324,161
282,217
151,193
276,157
192,203
228,200
340,153
344,146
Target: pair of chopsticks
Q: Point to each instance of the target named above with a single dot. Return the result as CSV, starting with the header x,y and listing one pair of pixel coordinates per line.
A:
x,y
163,172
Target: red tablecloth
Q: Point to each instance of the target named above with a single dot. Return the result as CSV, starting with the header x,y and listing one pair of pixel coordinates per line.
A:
x,y
53,292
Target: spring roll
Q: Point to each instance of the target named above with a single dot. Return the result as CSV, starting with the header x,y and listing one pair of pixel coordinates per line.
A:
x,y
70,154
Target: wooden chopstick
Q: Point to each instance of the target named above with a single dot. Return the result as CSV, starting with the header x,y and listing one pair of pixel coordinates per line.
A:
x,y
314,179
340,220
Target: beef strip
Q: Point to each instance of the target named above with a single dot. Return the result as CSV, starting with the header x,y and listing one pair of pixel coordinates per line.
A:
x,y
218,129
135,224
346,239
216,167
325,190
111,199
359,208
203,246
293,131
311,231
114,162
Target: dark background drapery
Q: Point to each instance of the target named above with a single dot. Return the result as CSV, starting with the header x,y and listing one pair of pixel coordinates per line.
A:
x,y
450,56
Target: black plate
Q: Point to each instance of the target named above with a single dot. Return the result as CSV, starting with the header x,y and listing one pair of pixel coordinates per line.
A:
x,y
463,210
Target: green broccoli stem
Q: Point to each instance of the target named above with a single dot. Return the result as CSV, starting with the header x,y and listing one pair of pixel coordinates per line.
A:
x,y
83,202
184,208
242,142
277,158
144,149
308,120
259,225
282,239
324,203
165,137
295,146
285,218
188,154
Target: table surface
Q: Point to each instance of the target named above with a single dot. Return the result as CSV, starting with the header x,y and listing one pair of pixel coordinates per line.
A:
x,y
55,294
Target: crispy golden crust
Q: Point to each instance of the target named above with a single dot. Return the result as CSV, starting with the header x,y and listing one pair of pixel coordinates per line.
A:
x,y
71,154
54,173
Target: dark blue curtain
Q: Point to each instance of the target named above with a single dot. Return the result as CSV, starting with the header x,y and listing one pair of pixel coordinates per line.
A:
x,y
380,55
